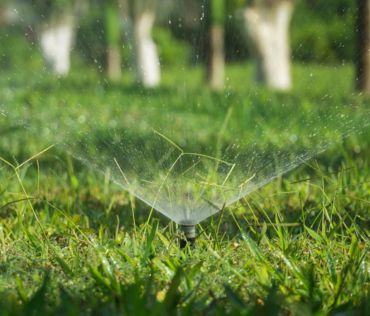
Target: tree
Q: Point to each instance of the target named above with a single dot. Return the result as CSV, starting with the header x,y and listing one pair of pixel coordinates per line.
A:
x,y
56,28
363,46
142,15
4,14
8,12
113,36
267,23
216,54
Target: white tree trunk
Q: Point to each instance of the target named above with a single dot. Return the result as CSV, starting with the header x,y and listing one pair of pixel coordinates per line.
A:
x,y
56,40
146,55
267,24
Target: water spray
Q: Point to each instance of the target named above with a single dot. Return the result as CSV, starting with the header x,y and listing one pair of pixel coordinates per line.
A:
x,y
189,235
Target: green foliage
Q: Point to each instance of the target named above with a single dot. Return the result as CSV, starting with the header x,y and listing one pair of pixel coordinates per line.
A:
x,y
112,23
171,50
324,31
91,38
217,8
13,50
47,8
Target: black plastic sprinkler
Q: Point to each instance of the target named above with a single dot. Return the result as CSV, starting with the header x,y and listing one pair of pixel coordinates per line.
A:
x,y
189,235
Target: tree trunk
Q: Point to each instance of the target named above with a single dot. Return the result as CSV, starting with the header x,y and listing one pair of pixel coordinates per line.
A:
x,y
56,39
216,68
114,63
216,55
363,46
146,56
4,14
267,23
8,14
113,35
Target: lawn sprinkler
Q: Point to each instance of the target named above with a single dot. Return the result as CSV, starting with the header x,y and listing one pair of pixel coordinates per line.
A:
x,y
189,235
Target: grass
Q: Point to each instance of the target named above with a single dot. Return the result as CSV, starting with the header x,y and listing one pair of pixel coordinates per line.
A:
x,y
291,248
73,243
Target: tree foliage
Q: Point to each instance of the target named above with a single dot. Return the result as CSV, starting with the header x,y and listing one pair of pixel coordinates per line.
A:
x,y
324,31
50,7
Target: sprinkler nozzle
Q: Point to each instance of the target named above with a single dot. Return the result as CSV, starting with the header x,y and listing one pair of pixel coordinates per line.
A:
x,y
190,235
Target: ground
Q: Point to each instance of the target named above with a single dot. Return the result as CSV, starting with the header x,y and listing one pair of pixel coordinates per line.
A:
x,y
72,242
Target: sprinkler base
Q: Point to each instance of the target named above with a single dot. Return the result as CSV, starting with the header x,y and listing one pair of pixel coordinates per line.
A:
x,y
189,237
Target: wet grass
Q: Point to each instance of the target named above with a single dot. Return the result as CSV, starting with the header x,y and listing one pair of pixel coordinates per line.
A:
x,y
73,243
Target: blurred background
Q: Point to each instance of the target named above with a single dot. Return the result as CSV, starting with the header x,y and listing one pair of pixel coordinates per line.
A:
x,y
144,38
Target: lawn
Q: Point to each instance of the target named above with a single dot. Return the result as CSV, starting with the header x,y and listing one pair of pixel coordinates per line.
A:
x,y
72,242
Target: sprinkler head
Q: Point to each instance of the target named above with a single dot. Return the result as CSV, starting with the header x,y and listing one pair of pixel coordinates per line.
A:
x,y
190,235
